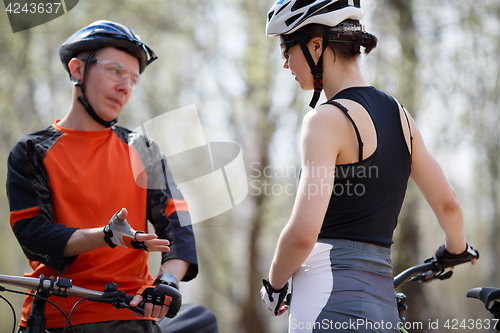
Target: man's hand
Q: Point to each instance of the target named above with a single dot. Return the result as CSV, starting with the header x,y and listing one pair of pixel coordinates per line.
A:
x,y
155,306
119,232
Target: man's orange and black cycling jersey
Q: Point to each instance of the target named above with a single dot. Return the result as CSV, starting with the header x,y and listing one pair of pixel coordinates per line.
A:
x,y
60,180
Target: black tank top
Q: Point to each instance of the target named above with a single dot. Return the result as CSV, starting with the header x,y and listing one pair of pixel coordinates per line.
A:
x,y
367,195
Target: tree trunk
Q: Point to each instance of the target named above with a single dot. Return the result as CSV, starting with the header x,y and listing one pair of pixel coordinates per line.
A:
x,y
406,247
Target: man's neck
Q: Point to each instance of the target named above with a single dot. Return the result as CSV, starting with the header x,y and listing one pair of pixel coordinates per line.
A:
x,y
78,119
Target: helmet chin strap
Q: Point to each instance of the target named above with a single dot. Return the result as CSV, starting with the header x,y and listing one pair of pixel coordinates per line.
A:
x,y
316,69
85,102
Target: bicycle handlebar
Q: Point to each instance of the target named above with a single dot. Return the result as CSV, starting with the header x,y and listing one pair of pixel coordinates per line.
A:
x,y
407,274
431,269
63,287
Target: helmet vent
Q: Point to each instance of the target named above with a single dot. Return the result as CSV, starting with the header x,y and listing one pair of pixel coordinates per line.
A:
x,y
270,15
282,7
292,19
301,4
338,5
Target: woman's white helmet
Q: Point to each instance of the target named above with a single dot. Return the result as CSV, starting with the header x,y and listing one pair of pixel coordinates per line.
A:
x,y
286,16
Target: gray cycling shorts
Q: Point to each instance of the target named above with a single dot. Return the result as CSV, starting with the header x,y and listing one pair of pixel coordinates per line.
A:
x,y
344,286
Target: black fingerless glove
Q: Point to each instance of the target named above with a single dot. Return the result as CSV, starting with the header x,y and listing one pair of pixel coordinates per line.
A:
x,y
167,279
161,295
449,259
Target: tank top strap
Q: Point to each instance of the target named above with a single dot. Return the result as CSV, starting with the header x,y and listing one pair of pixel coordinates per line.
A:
x,y
409,128
346,112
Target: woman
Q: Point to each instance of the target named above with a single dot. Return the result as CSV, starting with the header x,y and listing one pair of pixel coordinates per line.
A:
x,y
358,151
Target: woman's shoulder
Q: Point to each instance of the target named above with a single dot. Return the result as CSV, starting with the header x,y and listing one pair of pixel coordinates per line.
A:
x,y
327,120
325,112
333,115
322,115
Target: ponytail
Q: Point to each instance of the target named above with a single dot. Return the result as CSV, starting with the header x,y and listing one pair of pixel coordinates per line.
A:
x,y
368,41
346,47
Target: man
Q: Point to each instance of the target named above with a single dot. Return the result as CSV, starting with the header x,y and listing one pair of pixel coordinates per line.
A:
x,y
65,182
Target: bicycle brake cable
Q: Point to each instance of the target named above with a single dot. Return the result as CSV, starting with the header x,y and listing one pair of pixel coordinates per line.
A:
x,y
37,296
68,320
13,311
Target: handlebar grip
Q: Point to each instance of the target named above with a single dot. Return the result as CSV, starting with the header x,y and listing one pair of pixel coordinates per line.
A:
x,y
176,302
450,260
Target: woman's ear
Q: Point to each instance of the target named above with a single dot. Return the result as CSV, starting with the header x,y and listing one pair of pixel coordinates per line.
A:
x,y
76,68
315,46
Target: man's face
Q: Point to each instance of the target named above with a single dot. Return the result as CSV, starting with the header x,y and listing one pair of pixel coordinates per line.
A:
x,y
107,95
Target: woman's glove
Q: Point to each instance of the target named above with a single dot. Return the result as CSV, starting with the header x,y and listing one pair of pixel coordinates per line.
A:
x,y
273,298
450,259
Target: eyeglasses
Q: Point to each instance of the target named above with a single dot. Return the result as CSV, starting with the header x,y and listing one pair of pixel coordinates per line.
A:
x,y
286,46
116,72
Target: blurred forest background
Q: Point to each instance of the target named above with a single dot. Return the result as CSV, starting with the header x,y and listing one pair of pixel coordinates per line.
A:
x,y
440,59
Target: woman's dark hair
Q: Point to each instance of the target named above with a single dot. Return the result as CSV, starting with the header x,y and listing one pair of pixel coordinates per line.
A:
x,y
345,46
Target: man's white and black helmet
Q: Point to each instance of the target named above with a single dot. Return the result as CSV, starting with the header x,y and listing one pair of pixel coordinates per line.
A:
x,y
287,16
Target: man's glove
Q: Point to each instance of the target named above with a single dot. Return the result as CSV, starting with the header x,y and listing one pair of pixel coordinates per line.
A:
x,y
456,259
149,296
161,295
274,299
167,279
119,232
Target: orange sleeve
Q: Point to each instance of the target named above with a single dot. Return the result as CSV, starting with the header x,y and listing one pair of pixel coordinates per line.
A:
x,y
23,214
175,206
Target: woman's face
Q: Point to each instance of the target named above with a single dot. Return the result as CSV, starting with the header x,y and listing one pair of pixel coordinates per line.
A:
x,y
297,63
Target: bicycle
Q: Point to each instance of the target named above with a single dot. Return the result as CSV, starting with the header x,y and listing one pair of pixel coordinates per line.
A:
x,y
62,287
431,269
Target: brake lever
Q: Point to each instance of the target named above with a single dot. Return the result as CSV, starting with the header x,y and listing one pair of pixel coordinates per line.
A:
x,y
444,276
126,305
109,297
424,277
117,298
431,275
